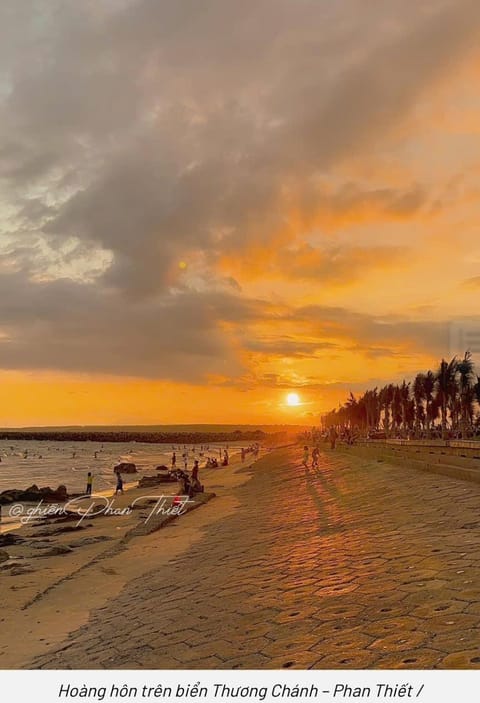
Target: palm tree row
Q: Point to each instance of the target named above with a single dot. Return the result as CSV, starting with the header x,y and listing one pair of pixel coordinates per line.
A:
x,y
441,402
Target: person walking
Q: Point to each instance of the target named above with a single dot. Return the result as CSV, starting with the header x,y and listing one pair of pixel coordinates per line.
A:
x,y
315,455
119,487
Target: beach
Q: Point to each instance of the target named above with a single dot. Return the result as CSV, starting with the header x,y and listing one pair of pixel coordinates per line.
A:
x,y
361,564
55,578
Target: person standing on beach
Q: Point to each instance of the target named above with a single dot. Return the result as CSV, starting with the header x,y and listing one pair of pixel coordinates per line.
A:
x,y
315,455
185,460
119,487
89,483
195,480
174,461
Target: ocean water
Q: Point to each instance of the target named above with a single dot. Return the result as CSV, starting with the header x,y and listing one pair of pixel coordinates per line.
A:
x,y
47,463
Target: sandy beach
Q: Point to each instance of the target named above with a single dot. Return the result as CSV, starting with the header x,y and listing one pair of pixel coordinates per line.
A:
x,y
54,578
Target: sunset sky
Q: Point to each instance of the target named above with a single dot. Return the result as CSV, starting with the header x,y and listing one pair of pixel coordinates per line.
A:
x,y
205,206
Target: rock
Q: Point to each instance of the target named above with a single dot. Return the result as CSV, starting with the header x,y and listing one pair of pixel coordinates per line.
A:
x,y
9,538
46,544
10,496
162,467
56,550
166,478
34,494
149,481
89,540
48,532
19,570
3,556
125,467
59,495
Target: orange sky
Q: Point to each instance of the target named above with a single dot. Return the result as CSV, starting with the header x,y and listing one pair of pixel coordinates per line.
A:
x,y
192,228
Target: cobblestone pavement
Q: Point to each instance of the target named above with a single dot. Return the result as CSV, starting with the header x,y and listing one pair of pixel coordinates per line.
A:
x,y
362,565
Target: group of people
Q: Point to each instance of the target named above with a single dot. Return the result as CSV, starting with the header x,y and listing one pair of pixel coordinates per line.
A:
x,y
332,437
315,457
193,482
118,486
254,448
211,462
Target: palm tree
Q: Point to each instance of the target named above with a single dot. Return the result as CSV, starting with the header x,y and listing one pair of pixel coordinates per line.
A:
x,y
386,394
428,389
370,401
446,388
404,399
466,374
351,408
451,394
419,395
396,409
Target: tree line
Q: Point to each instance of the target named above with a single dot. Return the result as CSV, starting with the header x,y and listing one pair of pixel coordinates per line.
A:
x,y
440,403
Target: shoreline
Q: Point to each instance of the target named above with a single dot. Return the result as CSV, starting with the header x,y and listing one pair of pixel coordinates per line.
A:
x,y
85,566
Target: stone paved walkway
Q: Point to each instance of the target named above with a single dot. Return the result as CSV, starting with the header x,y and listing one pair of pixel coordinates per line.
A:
x,y
362,565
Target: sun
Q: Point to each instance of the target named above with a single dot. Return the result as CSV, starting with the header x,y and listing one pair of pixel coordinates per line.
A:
x,y
293,399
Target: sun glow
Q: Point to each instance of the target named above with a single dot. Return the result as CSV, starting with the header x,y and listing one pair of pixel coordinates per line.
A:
x,y
293,399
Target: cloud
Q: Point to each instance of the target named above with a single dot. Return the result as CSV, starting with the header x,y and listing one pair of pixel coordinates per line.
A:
x,y
70,326
175,140
286,346
473,282
339,265
374,331
140,134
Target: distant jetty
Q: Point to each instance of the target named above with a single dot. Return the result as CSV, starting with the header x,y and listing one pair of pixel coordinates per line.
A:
x,y
203,437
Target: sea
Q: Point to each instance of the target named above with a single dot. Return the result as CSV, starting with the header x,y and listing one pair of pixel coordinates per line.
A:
x,y
49,463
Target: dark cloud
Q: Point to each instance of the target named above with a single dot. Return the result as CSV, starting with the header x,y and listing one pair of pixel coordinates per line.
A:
x,y
185,126
76,327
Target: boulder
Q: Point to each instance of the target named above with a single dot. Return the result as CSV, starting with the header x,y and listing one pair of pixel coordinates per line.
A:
x,y
10,496
9,538
125,467
34,494
162,467
149,481
59,495
166,477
